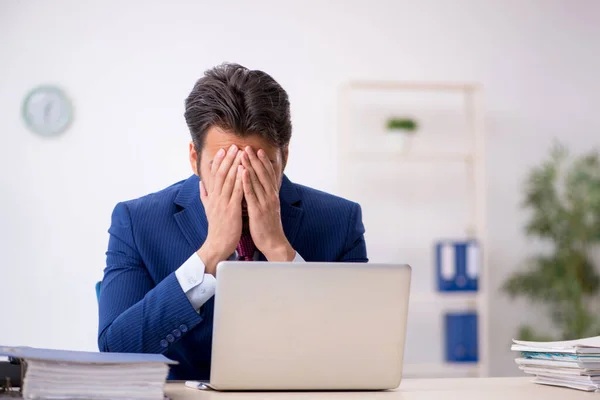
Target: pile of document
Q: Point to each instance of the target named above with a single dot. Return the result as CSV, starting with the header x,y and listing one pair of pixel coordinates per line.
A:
x,y
62,374
574,364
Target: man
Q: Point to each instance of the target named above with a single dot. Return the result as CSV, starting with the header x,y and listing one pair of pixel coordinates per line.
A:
x,y
159,282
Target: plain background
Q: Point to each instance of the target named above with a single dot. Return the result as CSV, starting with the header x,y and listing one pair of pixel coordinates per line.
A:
x,y
128,65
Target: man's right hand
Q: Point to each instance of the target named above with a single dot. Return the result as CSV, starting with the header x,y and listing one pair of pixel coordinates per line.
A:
x,y
222,202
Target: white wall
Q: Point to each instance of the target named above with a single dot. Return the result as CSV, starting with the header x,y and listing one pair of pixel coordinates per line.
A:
x,y
129,65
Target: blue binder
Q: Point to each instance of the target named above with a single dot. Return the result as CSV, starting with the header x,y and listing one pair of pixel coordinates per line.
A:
x,y
461,337
457,265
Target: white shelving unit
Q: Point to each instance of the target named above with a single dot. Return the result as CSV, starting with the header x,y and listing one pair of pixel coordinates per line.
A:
x,y
410,199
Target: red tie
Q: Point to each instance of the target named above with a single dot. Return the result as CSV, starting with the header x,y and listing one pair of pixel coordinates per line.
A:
x,y
246,248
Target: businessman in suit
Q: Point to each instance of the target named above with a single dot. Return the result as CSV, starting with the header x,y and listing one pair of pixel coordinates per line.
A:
x,y
163,250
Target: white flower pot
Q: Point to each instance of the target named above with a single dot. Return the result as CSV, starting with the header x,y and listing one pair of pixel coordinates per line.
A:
x,y
399,140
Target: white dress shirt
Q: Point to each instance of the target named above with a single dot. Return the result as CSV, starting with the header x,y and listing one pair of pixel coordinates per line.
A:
x,y
198,286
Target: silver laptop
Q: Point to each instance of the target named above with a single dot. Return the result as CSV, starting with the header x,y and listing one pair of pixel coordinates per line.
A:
x,y
309,326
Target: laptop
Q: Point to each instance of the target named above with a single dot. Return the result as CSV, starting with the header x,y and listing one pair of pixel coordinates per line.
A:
x,y
309,326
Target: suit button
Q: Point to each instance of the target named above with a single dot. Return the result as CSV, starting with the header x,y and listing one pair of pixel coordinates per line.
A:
x,y
164,343
170,338
177,333
183,328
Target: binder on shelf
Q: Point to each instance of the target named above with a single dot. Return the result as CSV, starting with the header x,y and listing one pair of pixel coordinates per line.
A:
x,y
457,265
461,342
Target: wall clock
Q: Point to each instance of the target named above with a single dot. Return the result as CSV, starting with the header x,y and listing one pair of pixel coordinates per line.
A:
x,y
47,111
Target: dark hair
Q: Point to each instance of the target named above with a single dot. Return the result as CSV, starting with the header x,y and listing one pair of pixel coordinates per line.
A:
x,y
242,101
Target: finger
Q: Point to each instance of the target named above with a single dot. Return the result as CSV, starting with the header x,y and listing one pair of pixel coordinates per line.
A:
x,y
259,170
249,192
221,173
262,156
257,188
231,174
216,163
238,187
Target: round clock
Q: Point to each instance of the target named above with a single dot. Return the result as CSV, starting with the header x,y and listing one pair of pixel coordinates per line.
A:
x,y
47,111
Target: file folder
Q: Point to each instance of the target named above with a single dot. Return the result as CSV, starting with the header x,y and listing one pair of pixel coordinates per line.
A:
x,y
458,265
461,337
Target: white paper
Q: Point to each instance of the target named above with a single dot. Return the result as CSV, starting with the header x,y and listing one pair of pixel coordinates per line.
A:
x,y
593,342
587,388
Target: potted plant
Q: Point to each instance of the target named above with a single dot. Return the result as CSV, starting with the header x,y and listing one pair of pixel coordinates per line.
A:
x,y
401,131
563,197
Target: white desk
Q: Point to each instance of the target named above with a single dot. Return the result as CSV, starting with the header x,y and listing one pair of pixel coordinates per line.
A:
x,y
410,389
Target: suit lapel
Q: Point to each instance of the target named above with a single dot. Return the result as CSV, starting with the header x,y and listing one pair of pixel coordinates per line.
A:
x,y
291,213
191,217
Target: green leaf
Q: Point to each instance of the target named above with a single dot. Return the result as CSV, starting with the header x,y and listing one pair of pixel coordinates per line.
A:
x,y
526,332
562,197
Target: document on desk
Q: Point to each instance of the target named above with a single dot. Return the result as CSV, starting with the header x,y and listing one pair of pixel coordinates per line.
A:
x,y
574,363
589,345
63,374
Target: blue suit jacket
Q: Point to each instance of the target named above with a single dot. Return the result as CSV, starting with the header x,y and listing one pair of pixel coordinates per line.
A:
x,y
142,307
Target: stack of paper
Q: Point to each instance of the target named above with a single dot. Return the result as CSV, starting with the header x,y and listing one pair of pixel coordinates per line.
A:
x,y
61,374
574,363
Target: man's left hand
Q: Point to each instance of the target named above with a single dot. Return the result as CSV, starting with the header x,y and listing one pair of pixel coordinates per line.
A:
x,y
261,190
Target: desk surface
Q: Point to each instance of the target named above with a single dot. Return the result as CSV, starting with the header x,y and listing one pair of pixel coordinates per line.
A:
x,y
410,389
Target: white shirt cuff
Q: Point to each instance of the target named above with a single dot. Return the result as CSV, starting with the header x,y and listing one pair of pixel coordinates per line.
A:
x,y
197,286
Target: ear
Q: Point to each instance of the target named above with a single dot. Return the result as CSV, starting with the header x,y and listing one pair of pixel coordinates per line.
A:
x,y
285,153
194,159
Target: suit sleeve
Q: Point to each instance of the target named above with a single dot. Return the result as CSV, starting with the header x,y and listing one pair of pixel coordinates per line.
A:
x,y
135,314
355,249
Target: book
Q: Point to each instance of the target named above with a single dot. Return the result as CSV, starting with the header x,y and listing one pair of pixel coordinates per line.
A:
x,y
62,374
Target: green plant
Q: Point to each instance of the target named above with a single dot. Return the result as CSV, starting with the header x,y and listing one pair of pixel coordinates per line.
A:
x,y
405,124
563,196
